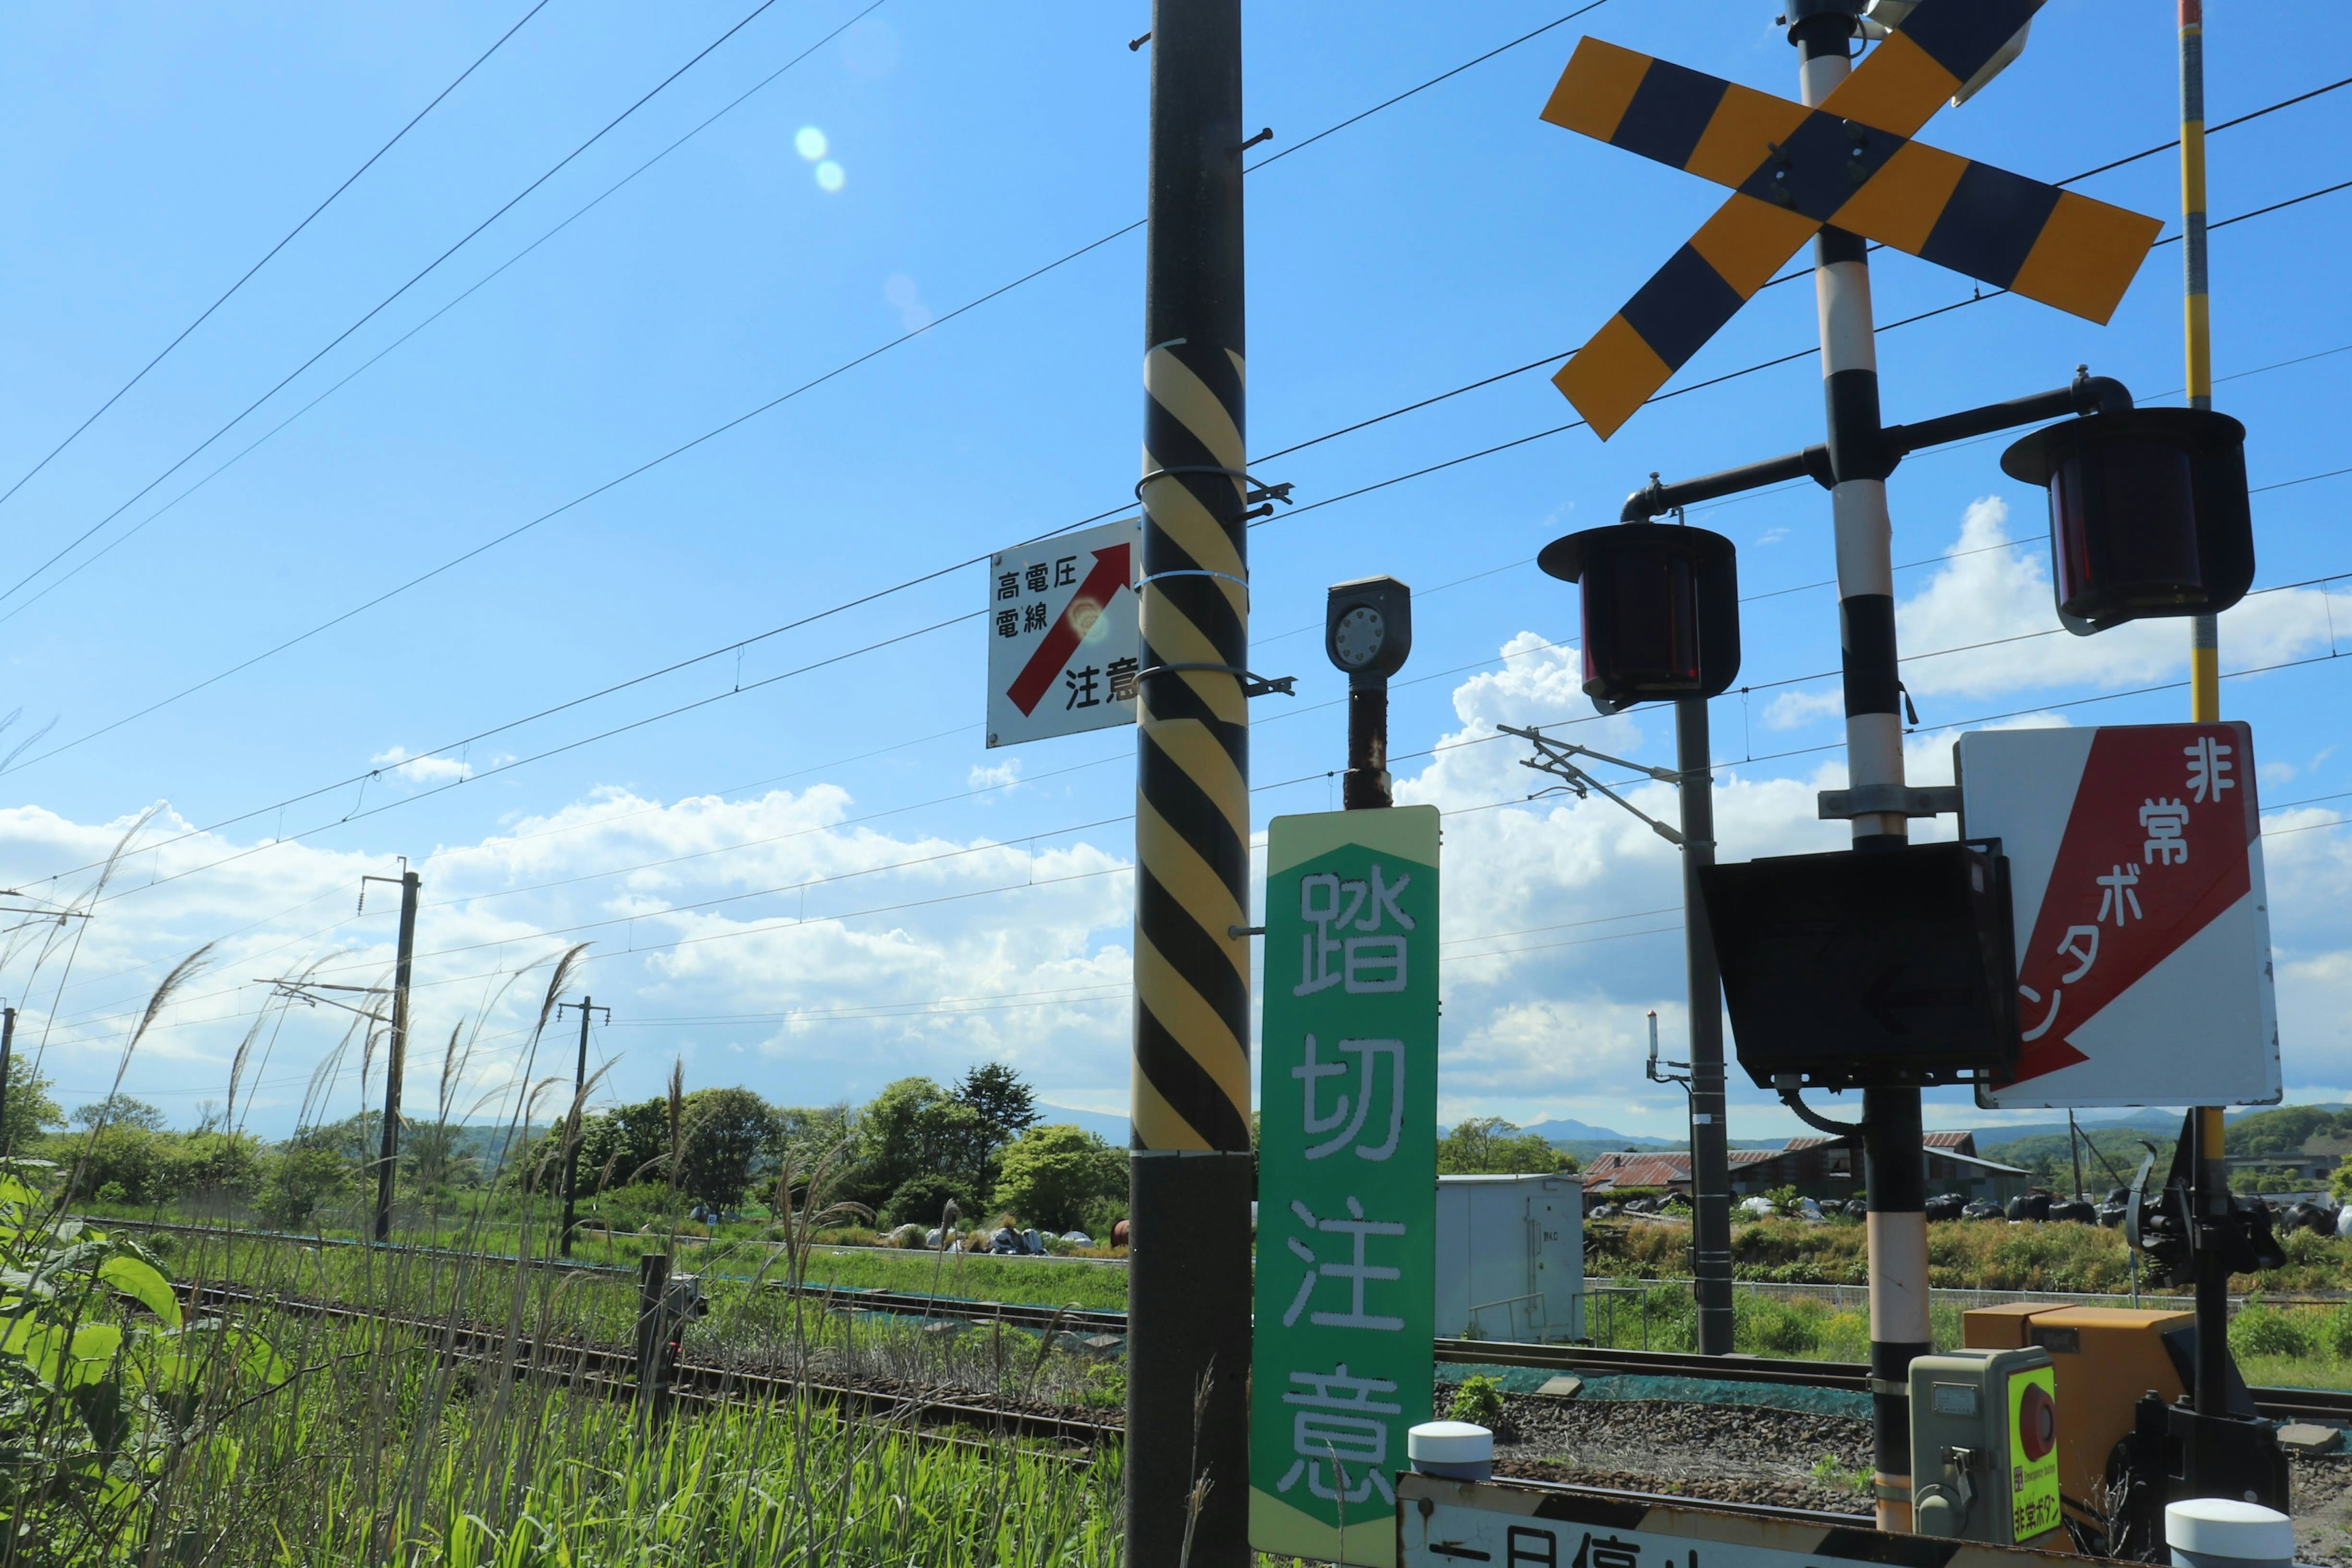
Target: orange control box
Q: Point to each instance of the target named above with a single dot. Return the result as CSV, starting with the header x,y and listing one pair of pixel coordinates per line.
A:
x,y
2106,1357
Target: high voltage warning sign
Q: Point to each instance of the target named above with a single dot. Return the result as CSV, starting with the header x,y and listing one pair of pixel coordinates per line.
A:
x,y
1063,647
1850,164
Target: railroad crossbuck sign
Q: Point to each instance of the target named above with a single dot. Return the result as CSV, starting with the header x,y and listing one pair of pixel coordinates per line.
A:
x,y
1063,647
1850,163
2143,931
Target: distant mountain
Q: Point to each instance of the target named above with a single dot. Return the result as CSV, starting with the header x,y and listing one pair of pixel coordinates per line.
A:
x,y
1565,1131
1111,1129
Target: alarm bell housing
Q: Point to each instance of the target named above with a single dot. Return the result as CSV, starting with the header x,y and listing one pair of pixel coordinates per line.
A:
x,y
1661,611
2149,514
1367,625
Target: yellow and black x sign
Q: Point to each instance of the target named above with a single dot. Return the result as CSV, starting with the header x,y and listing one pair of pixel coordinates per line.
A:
x,y
1850,163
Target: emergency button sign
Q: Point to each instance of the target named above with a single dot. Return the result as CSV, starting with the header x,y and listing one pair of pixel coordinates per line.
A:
x,y
1063,647
2143,926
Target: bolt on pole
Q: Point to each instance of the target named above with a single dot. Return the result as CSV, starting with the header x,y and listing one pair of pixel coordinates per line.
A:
x,y
1191,1171
1823,32
396,1058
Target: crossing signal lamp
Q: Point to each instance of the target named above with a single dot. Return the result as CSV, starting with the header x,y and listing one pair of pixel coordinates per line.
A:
x,y
2149,514
1661,611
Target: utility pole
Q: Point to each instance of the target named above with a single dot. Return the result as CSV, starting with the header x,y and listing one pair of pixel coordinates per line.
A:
x,y
2210,1180
1191,1171
586,1004
1692,777
1822,31
7,1046
396,1056
1710,1145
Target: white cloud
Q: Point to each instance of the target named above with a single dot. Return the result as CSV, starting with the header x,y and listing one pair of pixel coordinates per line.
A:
x,y
1002,775
1986,594
771,941
425,770
1795,709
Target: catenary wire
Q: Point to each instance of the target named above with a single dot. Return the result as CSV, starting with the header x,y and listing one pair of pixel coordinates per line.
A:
x,y
782,924
270,254
1030,838
454,301
675,452
1346,495
381,305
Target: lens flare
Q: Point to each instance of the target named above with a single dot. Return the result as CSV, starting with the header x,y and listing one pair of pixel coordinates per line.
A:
x,y
829,177
809,143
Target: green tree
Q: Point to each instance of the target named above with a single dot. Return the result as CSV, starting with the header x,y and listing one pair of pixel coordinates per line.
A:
x,y
1488,1145
726,1132
1053,1176
213,1163
127,1164
1006,1104
304,1173
118,1110
27,1111
2339,1182
628,1143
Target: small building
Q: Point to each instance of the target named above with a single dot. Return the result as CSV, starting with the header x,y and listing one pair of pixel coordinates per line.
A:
x,y
1510,1257
1828,1169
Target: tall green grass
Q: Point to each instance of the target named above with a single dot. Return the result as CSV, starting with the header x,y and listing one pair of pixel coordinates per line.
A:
x,y
263,1434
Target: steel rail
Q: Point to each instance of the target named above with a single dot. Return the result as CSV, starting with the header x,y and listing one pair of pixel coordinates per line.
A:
x,y
614,1371
2282,1404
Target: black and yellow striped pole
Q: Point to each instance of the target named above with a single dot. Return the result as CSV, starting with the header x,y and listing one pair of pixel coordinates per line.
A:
x,y
1192,1172
2210,1172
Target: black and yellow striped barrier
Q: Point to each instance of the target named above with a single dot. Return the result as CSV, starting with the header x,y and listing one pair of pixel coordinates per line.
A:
x,y
1849,164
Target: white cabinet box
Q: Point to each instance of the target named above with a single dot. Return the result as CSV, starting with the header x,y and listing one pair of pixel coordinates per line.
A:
x,y
1510,1257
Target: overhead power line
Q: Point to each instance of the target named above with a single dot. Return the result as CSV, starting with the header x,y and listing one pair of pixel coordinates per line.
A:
x,y
381,304
837,371
452,303
779,924
269,256
879,594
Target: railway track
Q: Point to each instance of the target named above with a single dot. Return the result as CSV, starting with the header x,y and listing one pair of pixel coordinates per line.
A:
x,y
615,1372
2281,1403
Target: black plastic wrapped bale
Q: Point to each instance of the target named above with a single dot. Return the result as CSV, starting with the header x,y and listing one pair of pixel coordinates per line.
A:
x,y
1892,969
2149,514
1661,611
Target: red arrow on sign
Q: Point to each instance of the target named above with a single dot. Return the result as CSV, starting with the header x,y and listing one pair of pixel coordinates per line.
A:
x,y
1036,677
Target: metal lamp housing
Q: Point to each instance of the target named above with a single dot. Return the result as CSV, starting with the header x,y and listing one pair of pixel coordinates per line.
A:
x,y
1367,625
2149,514
1661,611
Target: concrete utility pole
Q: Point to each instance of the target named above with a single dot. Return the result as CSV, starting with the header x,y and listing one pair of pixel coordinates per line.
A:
x,y
396,1056
2211,1181
1191,1172
586,1004
1710,1145
1823,32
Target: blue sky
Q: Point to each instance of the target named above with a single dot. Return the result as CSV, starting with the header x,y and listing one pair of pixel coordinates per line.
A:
x,y
152,155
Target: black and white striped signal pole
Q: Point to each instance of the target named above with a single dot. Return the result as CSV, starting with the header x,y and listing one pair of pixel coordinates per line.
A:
x,y
1191,1172
1823,32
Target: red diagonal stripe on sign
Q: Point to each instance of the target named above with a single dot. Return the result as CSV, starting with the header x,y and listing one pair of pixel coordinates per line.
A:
x,y
2130,768
1036,677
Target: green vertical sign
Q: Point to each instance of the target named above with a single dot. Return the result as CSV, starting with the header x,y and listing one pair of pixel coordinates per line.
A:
x,y
1341,1354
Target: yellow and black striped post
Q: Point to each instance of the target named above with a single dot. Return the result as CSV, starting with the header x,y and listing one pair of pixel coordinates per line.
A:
x,y
2211,1168
1192,1173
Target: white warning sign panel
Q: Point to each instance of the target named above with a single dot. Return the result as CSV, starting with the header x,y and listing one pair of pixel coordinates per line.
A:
x,y
2143,926
1063,643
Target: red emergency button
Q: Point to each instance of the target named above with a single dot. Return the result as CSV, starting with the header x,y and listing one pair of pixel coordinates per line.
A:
x,y
2037,1422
